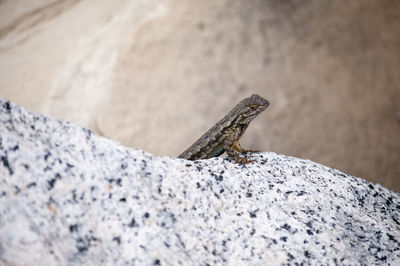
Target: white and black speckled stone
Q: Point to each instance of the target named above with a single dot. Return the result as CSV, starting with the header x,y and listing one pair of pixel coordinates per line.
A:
x,y
68,197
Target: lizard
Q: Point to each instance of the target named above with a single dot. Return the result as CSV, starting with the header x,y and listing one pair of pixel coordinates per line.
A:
x,y
224,136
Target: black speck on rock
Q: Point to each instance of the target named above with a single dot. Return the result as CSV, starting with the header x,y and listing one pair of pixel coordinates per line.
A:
x,y
253,214
82,245
88,133
218,178
383,258
32,184
51,183
286,226
389,201
7,106
17,190
73,228
301,193
391,237
307,254
47,155
116,181
395,220
6,164
117,239
133,223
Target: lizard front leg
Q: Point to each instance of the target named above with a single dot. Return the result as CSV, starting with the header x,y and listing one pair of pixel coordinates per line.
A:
x,y
230,147
239,148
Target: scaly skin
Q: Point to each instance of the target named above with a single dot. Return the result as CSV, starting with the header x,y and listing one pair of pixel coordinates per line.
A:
x,y
225,135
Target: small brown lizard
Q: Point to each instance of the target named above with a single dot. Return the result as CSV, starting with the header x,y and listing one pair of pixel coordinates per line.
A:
x,y
225,135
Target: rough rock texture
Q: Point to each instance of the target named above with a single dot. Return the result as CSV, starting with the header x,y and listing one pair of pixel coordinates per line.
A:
x,y
69,197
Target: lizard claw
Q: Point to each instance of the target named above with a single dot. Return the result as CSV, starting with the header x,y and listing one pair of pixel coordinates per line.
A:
x,y
244,160
246,151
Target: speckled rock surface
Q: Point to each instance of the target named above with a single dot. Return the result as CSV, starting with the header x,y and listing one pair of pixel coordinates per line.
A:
x,y
69,197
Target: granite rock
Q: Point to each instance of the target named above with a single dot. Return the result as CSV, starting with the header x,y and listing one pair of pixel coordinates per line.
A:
x,y
70,197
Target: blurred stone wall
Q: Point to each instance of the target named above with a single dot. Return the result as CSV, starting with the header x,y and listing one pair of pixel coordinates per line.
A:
x,y
155,75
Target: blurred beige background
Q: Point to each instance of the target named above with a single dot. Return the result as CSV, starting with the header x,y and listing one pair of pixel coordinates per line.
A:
x,y
156,74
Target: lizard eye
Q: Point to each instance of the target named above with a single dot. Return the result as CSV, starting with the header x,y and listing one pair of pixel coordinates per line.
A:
x,y
253,106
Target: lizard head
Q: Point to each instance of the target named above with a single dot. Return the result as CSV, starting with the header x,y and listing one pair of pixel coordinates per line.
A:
x,y
250,107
